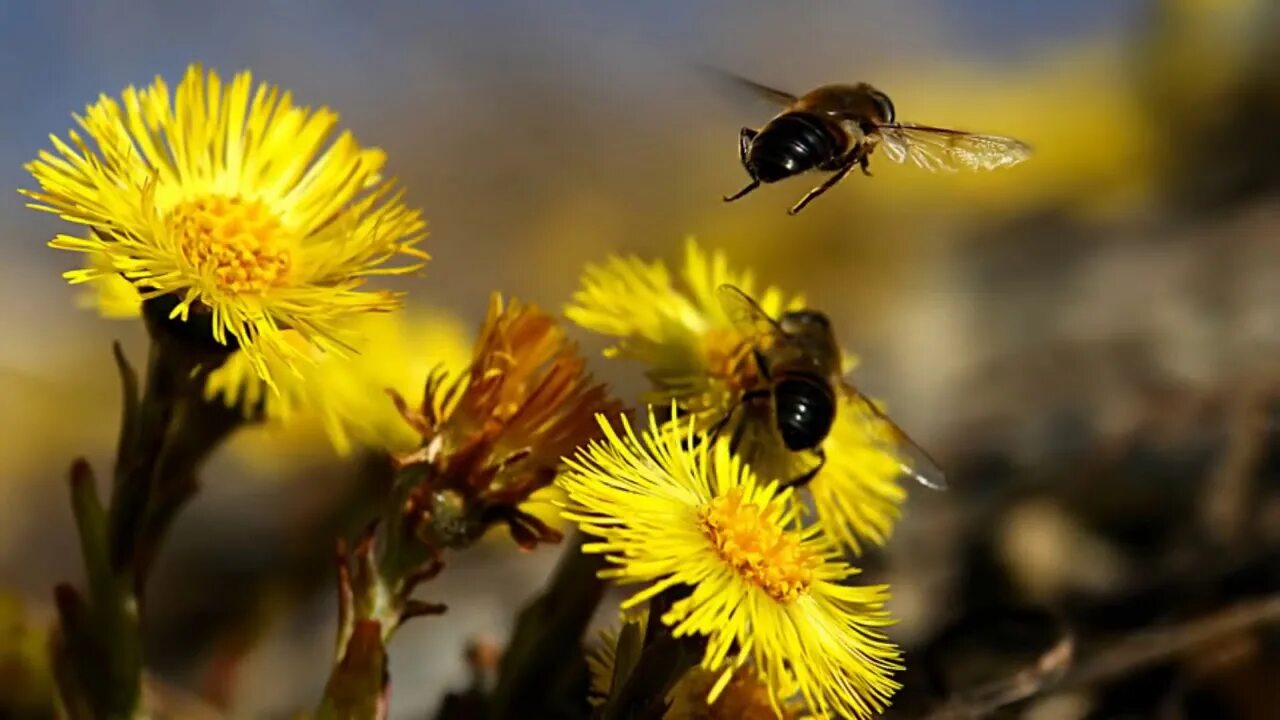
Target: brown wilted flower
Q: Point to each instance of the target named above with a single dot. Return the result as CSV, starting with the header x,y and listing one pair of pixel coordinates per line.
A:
x,y
495,434
745,697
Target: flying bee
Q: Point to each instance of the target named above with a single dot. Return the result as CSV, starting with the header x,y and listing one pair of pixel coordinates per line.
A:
x,y
836,128
799,365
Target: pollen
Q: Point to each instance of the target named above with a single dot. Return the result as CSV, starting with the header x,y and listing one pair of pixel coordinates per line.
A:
x,y
728,357
749,538
238,243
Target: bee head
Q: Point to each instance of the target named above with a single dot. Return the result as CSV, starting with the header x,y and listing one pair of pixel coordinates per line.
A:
x,y
884,104
798,321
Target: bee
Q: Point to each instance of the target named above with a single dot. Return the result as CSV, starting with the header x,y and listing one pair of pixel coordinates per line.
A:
x,y
836,128
798,362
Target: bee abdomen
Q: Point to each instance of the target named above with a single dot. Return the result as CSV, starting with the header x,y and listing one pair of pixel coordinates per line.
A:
x,y
791,144
805,408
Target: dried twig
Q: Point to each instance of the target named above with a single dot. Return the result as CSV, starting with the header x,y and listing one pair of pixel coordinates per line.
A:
x,y
986,698
1151,647
1227,503
1053,673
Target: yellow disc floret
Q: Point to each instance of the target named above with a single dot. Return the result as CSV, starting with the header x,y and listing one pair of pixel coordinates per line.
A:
x,y
238,243
749,538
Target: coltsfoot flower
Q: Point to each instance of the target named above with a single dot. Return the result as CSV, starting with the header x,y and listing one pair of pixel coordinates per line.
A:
x,y
495,434
343,398
233,201
698,358
671,511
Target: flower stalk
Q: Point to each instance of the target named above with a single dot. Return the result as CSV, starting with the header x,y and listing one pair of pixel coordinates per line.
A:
x,y
547,635
167,430
165,436
641,690
490,438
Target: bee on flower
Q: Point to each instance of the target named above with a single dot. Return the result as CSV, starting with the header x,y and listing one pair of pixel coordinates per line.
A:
x,y
494,435
699,356
669,512
235,208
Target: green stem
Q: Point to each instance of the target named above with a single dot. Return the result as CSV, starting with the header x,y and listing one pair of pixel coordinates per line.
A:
x,y
200,427
376,581
663,661
143,433
98,656
542,667
165,436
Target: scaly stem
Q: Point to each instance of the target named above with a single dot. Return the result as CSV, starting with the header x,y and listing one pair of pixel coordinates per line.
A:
x,y
142,437
376,582
199,427
165,436
663,660
543,660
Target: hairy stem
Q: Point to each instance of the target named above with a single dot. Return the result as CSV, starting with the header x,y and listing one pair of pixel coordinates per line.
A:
x,y
166,432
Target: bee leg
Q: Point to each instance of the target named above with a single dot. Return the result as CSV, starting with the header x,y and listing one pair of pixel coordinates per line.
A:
x,y
722,422
735,442
825,186
514,457
711,435
864,162
762,365
754,184
809,474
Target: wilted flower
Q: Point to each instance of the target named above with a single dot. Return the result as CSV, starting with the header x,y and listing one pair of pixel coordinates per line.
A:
x,y
495,434
670,511
231,200
745,697
696,357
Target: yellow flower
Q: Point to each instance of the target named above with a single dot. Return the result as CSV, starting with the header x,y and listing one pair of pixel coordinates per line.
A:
x,y
232,200
670,511
698,358
344,398
109,293
494,435
681,333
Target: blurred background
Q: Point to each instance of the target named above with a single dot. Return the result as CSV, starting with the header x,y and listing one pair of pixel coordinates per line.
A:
x,y
1088,342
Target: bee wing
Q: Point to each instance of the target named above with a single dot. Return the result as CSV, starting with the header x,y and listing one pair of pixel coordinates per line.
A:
x,y
747,315
773,95
915,460
935,149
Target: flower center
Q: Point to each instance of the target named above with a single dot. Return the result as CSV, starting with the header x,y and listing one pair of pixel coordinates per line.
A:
x,y
239,242
749,538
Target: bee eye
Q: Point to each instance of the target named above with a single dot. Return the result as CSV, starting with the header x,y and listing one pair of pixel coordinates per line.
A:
x,y
886,106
